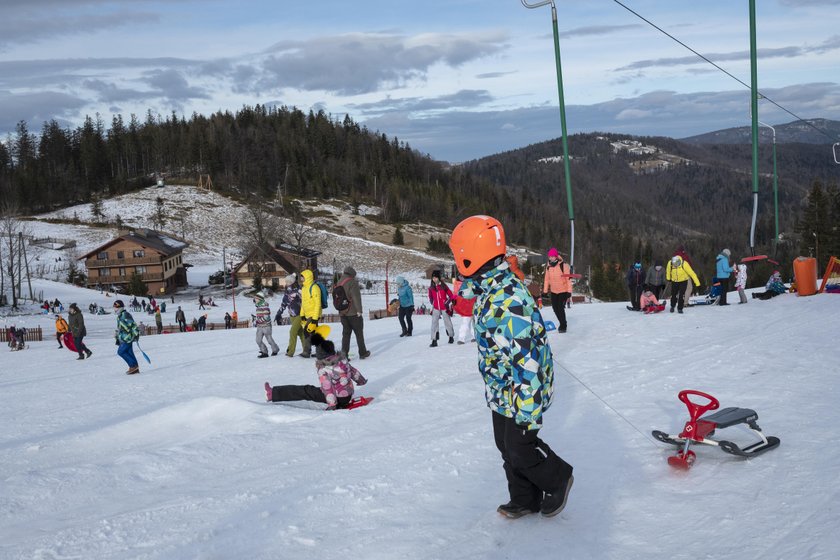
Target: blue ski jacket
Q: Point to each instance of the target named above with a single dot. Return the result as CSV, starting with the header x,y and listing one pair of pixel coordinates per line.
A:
x,y
405,293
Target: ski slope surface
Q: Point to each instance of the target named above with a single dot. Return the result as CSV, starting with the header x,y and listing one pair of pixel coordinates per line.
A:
x,y
187,461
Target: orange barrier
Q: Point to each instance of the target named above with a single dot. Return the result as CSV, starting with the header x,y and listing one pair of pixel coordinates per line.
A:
x,y
805,274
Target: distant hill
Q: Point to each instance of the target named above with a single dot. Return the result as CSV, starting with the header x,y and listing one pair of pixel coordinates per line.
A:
x,y
794,132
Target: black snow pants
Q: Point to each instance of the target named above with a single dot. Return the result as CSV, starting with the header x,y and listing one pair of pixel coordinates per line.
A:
x,y
531,467
282,393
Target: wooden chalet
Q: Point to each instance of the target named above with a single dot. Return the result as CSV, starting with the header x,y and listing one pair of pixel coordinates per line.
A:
x,y
273,263
155,256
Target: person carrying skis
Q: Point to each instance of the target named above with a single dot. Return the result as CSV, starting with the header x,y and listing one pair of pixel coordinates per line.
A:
x,y
262,321
127,334
722,273
515,362
77,329
61,327
335,374
440,297
678,272
558,286
352,321
310,309
406,310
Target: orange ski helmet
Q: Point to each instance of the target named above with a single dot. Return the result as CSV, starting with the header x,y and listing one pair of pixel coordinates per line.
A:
x,y
475,241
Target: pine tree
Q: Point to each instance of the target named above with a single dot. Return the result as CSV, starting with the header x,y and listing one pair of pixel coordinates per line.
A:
x,y
398,238
136,286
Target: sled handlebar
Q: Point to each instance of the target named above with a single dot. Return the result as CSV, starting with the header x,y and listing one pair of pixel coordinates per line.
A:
x,y
696,410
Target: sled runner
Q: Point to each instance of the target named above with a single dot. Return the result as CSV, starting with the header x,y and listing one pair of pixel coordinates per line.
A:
x,y
700,430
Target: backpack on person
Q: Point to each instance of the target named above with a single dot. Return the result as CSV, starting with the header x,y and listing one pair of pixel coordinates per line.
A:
x,y
340,300
323,293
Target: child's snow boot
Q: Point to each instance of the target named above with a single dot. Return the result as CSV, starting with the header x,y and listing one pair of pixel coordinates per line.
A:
x,y
433,344
554,502
515,511
262,355
451,339
267,391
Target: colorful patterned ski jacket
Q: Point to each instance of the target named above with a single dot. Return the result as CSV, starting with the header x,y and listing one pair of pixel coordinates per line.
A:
x,y
262,312
127,329
514,357
337,376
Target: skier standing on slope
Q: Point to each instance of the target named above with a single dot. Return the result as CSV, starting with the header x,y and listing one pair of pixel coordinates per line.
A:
x,y
516,364
127,333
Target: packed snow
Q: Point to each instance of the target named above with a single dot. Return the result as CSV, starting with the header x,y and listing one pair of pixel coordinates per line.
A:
x,y
187,460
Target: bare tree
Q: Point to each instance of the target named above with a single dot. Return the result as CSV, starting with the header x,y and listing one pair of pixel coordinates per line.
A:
x,y
259,228
297,232
11,255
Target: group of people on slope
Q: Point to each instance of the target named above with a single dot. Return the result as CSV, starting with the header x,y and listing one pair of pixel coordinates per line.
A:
x,y
302,299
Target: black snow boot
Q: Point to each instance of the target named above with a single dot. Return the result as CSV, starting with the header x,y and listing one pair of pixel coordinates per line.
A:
x,y
262,355
433,344
554,502
515,511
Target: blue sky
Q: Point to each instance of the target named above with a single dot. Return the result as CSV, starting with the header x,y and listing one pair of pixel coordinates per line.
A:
x,y
457,79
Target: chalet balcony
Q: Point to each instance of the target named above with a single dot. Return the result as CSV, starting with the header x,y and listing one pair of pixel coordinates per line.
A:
x,y
148,277
110,263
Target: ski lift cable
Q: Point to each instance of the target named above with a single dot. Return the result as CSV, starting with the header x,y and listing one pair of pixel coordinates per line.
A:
x,y
791,113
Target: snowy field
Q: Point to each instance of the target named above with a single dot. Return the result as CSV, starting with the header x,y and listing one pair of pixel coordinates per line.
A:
x,y
187,461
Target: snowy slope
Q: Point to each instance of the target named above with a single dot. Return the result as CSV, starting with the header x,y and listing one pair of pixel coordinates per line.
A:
x,y
186,460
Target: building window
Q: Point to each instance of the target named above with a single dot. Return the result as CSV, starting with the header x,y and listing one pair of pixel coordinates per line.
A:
x,y
104,272
120,254
122,271
139,253
140,269
103,256
271,268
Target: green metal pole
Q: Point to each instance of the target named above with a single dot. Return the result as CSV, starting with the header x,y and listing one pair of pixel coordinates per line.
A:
x,y
754,111
568,174
775,196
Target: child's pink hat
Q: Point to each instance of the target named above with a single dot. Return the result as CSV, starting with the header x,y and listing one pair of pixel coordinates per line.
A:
x,y
553,252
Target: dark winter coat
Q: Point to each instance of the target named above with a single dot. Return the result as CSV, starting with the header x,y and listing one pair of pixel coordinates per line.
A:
x,y
353,291
77,324
291,301
655,277
635,278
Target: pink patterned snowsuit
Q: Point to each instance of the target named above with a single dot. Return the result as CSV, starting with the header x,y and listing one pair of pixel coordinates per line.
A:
x,y
337,376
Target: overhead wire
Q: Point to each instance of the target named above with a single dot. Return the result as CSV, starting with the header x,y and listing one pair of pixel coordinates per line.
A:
x,y
762,96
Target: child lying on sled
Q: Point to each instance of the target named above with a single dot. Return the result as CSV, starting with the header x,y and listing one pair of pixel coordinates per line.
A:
x,y
334,372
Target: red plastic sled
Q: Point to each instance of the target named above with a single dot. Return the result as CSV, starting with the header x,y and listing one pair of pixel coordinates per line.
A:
x,y
67,339
358,402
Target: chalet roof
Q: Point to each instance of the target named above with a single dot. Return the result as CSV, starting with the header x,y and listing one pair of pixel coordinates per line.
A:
x,y
163,243
275,255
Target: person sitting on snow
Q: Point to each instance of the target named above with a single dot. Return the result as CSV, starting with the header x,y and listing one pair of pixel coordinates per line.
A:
x,y
649,303
774,287
335,374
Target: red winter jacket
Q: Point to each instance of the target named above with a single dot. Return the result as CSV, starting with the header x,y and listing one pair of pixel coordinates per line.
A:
x,y
439,295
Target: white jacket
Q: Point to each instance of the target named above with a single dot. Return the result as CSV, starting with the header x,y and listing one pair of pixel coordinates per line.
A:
x,y
741,277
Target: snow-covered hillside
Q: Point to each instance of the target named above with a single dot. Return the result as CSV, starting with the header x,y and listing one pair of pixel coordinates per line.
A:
x,y
210,222
187,461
